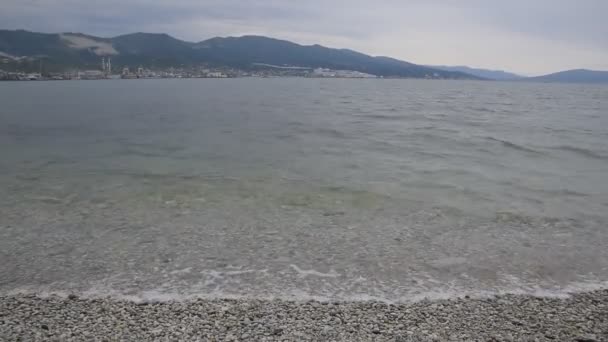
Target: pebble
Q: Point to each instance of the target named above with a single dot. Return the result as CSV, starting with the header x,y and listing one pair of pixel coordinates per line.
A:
x,y
582,317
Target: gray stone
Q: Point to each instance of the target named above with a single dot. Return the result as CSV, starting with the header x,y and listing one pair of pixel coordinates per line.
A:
x,y
505,318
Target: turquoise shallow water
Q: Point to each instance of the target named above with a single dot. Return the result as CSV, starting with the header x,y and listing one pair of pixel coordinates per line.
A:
x,y
300,188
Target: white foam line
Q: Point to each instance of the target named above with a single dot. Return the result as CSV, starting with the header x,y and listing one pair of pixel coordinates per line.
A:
x,y
163,295
305,273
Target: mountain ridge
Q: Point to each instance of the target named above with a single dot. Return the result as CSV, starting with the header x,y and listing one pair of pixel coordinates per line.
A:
x,y
61,51
22,50
572,76
498,75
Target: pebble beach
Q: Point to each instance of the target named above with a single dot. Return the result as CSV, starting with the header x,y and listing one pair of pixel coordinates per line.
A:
x,y
580,317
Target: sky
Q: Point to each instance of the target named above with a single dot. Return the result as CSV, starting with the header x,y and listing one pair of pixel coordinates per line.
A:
x,y
530,37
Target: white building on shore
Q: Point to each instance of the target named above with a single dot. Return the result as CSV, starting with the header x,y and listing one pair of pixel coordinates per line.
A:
x,y
321,72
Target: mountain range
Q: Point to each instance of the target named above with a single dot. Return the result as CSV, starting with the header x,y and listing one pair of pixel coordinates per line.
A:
x,y
498,75
573,76
21,49
27,51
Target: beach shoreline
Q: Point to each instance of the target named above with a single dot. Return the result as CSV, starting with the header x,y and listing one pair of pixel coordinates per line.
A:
x,y
580,317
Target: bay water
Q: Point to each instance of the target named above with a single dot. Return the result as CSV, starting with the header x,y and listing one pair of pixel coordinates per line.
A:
x,y
331,189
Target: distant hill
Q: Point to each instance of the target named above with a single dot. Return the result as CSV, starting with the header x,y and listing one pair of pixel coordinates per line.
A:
x,y
573,76
498,75
21,50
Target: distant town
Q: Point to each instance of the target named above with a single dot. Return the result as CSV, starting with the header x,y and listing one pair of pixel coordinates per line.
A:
x,y
106,71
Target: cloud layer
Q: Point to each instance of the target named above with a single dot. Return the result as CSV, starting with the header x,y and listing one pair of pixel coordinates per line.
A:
x,y
531,37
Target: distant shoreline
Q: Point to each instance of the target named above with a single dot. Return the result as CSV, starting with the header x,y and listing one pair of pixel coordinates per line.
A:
x,y
242,77
581,317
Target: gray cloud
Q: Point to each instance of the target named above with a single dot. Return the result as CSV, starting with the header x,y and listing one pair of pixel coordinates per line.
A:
x,y
531,37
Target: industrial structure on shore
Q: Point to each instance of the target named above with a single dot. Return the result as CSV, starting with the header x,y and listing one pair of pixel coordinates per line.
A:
x,y
256,70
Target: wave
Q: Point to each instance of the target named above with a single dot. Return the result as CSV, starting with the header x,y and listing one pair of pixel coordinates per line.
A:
x,y
334,133
581,151
383,117
514,146
483,109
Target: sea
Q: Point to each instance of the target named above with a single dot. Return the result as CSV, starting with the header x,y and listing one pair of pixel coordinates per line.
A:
x,y
299,189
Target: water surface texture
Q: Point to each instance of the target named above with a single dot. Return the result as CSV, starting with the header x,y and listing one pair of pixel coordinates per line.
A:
x,y
302,188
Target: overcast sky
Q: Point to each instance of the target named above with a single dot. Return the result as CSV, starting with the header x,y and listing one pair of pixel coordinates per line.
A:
x,y
527,36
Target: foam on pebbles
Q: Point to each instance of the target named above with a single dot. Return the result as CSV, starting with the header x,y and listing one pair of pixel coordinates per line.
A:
x,y
581,317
